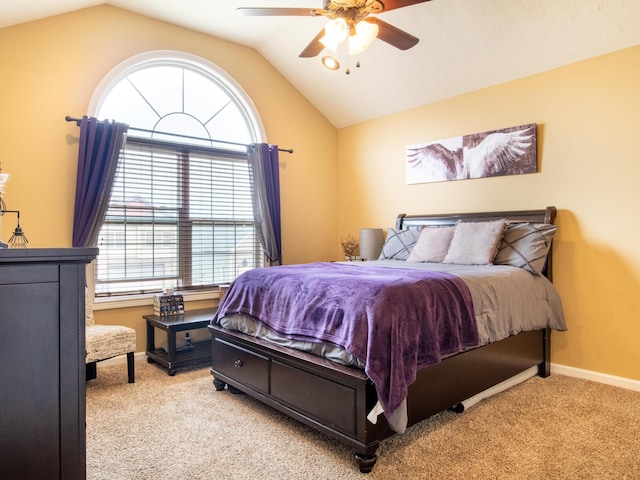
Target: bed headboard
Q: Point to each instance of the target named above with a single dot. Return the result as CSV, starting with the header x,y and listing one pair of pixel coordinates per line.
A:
x,y
546,215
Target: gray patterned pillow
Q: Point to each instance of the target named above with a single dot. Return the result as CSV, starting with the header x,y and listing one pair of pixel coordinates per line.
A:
x,y
526,245
398,244
475,243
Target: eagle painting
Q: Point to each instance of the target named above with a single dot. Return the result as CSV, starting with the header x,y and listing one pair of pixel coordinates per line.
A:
x,y
510,151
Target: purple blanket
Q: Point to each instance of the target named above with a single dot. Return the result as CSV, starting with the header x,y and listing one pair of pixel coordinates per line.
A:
x,y
397,320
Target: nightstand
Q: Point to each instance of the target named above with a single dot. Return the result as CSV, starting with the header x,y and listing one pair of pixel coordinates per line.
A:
x,y
173,358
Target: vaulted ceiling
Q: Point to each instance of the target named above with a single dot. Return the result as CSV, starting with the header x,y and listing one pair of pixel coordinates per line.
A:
x,y
464,45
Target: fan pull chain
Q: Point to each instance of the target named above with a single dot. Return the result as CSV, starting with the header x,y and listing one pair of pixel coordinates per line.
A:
x,y
347,71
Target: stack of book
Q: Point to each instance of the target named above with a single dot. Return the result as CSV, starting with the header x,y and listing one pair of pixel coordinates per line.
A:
x,y
164,305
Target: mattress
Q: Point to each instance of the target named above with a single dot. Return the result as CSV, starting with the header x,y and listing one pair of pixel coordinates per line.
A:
x,y
506,301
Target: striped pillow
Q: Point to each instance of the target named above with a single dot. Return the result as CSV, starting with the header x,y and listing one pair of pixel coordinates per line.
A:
x,y
398,244
526,245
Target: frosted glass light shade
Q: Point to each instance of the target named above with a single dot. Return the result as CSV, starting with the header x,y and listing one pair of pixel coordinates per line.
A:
x,y
335,32
371,241
365,34
329,44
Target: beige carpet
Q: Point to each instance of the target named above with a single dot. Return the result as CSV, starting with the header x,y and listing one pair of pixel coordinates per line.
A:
x,y
179,427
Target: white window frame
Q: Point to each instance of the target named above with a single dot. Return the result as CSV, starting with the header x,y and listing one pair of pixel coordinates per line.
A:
x,y
204,66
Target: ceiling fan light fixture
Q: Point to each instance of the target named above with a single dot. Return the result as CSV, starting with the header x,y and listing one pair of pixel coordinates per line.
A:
x,y
343,19
365,34
329,45
335,31
330,62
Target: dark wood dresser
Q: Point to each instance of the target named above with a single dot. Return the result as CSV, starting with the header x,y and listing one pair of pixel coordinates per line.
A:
x,y
42,353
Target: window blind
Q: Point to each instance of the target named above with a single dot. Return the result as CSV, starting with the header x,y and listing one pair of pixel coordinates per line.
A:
x,y
179,216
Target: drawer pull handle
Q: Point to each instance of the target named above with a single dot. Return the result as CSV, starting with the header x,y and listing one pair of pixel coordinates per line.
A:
x,y
238,363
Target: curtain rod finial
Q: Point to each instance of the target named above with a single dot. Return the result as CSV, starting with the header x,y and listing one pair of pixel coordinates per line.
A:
x,y
69,118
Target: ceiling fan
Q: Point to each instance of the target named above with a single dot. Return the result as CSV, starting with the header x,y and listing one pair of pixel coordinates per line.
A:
x,y
347,21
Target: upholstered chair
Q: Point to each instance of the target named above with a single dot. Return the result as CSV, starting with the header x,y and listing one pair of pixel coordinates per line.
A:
x,y
107,341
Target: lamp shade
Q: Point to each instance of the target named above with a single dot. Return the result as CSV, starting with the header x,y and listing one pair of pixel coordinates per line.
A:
x,y
365,34
371,241
335,32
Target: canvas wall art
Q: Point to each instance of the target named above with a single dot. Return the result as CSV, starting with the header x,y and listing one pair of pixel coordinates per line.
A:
x,y
509,151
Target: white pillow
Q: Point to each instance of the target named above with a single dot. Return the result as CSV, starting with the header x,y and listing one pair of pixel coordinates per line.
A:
x,y
475,243
432,245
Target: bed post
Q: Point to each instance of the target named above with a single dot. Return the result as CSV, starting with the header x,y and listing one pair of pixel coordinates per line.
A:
x,y
544,367
549,217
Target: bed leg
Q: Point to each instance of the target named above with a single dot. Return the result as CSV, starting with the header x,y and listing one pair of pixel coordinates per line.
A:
x,y
234,390
544,368
219,384
365,462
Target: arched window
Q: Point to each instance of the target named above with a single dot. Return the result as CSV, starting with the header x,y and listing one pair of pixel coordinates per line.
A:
x,y
180,213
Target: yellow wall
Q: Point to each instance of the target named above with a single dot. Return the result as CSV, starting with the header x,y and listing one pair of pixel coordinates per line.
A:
x,y
587,116
50,69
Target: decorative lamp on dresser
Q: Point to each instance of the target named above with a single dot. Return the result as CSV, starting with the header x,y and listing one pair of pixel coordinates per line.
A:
x,y
42,354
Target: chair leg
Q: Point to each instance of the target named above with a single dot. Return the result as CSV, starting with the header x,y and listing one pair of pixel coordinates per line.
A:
x,y
130,367
92,371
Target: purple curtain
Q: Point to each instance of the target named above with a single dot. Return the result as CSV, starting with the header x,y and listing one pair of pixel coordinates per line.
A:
x,y
100,146
265,182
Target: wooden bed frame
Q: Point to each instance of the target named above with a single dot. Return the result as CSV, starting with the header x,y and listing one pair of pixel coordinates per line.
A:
x,y
336,399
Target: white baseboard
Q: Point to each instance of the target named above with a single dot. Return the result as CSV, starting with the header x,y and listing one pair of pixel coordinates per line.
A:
x,y
596,377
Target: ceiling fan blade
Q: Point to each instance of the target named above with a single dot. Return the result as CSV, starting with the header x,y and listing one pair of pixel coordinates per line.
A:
x,y
393,4
268,12
393,35
314,47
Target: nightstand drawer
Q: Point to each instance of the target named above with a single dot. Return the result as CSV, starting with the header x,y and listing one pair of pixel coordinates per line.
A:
x,y
242,365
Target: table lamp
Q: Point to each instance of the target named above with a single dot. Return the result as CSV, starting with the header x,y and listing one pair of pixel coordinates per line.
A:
x,y
371,241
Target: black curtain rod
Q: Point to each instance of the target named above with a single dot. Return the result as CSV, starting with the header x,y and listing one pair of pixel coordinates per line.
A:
x,y
77,121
